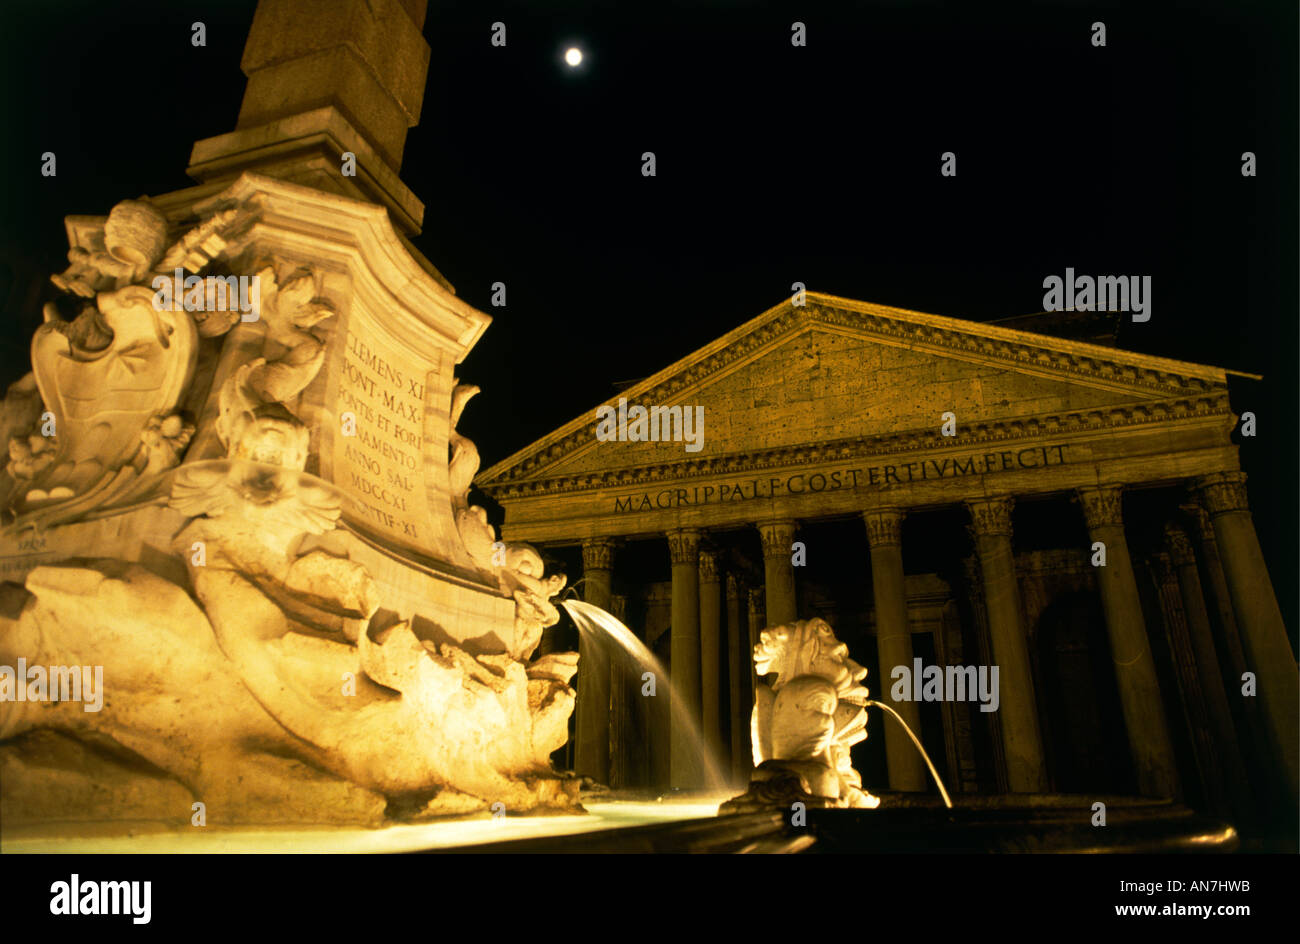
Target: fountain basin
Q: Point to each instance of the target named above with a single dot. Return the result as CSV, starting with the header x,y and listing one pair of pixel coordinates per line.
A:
x,y
905,823
921,824
476,833
1052,823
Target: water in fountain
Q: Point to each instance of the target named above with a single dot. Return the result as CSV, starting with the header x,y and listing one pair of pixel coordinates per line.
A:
x,y
595,624
915,740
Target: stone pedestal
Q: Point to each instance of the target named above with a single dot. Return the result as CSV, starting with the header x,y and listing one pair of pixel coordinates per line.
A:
x,y
348,78
302,615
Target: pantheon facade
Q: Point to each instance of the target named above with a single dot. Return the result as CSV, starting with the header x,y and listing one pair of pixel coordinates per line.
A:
x,y
943,492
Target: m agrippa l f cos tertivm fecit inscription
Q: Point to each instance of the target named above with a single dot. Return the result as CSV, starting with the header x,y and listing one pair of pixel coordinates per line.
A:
x,y
851,478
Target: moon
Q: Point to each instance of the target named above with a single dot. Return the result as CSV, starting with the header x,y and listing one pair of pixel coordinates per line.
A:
x,y
573,56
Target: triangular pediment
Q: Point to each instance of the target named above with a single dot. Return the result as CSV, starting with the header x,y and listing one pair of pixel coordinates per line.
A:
x,y
836,374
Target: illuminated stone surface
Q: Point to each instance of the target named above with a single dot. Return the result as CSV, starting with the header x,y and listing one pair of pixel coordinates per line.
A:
x,y
806,718
299,616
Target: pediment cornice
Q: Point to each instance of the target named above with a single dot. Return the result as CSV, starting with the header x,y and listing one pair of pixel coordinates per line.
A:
x,y
930,442
1124,372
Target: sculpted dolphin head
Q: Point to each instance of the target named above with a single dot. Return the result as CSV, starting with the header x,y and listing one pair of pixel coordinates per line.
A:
x,y
809,647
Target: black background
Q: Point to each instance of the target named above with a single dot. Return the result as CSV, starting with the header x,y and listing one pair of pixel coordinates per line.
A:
x,y
776,164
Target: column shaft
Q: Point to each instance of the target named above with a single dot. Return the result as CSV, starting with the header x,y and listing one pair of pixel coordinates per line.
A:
x,y
1021,738
1218,600
1130,650
1263,634
996,773
1218,711
593,679
737,636
778,571
1247,713
684,763
757,623
622,709
1182,659
710,653
894,645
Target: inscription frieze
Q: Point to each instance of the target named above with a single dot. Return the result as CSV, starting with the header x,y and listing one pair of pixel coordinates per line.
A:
x,y
849,478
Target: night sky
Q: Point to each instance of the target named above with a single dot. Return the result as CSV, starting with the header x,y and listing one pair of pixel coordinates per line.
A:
x,y
775,164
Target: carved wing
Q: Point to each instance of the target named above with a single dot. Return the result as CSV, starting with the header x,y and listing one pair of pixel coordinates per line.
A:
x,y
315,511
202,490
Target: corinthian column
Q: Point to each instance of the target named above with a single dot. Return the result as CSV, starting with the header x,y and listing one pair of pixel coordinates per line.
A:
x,y
737,655
1218,601
622,710
893,644
710,651
684,762
1130,650
1218,712
1253,735
1268,651
777,536
757,623
591,752
1021,739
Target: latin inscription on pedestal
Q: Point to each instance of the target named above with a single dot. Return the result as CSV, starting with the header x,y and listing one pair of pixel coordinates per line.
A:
x,y
381,465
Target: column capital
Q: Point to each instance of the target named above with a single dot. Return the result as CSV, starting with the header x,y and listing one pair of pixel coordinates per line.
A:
x,y
684,546
1102,506
618,607
758,600
1200,519
1180,546
777,536
1163,567
1223,492
733,587
991,516
884,526
709,565
598,553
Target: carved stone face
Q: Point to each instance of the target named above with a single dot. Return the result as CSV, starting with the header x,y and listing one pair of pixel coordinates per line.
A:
x,y
806,648
272,440
770,651
524,560
831,658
